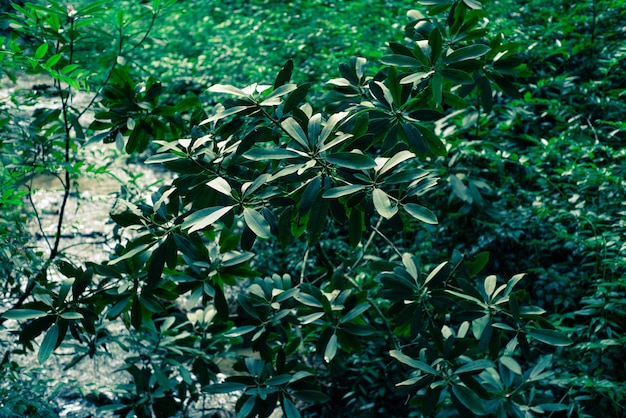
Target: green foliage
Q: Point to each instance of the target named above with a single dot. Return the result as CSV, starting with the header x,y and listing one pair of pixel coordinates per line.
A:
x,y
303,232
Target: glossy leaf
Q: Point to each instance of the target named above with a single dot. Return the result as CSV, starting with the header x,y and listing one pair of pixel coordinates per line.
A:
x,y
340,191
24,314
205,217
257,223
551,337
465,53
331,348
48,344
421,213
352,160
469,400
383,204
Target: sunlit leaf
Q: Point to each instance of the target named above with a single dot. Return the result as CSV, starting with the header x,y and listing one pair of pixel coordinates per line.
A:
x,y
421,213
205,217
383,205
257,223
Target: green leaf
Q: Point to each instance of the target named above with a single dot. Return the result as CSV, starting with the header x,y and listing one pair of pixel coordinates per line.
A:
x,y
312,396
435,41
351,160
310,195
469,400
290,409
467,52
383,205
308,319
551,337
48,344
296,98
239,331
284,75
354,312
436,83
72,315
331,348
397,159
226,89
257,223
262,154
511,364
416,364
473,4
271,100
23,314
355,230
221,185
512,283
401,61
41,51
226,387
308,300
330,125
340,191
295,132
439,273
205,217
475,366
489,285
132,252
421,213
476,265
50,62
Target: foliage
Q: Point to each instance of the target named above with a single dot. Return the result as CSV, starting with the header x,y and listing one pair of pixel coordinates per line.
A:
x,y
298,229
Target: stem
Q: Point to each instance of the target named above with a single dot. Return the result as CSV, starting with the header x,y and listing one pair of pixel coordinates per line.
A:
x,y
304,260
367,244
37,217
388,241
66,174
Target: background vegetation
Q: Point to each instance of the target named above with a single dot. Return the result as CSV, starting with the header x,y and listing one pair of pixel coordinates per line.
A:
x,y
297,225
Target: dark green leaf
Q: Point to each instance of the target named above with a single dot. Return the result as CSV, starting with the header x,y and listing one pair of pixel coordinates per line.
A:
x,y
226,387
290,409
296,98
354,312
467,52
401,61
351,160
551,337
23,314
331,348
416,364
355,231
257,223
475,366
262,154
284,75
48,344
469,400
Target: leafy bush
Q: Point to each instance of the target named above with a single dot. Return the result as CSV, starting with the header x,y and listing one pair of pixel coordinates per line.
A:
x,y
299,231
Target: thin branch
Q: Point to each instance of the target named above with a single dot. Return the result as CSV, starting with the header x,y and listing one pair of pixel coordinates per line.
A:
x,y
304,261
387,240
367,244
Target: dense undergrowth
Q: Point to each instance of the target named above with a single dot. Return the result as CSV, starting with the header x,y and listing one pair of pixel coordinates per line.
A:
x,y
504,122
